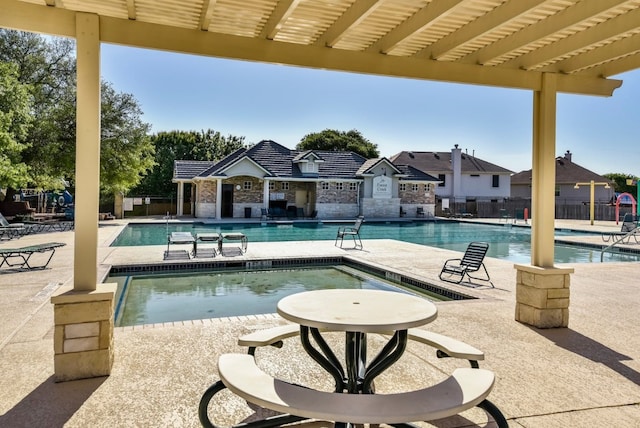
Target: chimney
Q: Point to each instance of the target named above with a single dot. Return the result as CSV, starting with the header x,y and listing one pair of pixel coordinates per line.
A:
x,y
456,170
567,156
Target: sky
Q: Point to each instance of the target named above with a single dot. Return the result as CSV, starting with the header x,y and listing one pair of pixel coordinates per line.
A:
x,y
283,103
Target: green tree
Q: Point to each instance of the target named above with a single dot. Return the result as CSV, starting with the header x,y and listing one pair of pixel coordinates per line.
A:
x,y
48,67
15,119
620,181
339,141
170,146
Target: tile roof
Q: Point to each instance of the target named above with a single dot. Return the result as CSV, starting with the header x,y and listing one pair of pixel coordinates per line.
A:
x,y
440,162
187,169
278,161
567,172
414,174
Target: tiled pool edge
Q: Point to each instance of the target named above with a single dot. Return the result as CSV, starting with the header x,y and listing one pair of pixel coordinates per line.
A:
x,y
391,275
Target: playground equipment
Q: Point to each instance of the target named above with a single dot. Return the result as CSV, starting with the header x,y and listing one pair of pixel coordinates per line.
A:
x,y
622,197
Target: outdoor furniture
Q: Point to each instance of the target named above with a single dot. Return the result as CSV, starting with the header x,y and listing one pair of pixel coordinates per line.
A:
x,y
402,212
313,215
179,238
504,215
208,238
352,231
454,270
628,230
234,236
356,313
19,258
420,212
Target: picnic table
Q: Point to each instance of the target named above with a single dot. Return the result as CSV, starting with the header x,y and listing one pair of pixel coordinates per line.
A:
x,y
354,401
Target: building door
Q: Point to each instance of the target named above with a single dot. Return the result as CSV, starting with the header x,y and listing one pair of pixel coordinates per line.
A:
x,y
227,200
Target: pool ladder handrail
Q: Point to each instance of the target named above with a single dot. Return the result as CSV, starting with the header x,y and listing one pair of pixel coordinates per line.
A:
x,y
617,241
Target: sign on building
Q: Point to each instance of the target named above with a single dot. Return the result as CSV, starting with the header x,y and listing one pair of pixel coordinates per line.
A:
x,y
381,187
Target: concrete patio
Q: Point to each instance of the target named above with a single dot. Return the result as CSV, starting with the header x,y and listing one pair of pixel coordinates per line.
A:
x,y
582,376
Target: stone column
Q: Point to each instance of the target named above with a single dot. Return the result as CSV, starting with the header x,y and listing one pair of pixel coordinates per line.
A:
x,y
542,296
83,335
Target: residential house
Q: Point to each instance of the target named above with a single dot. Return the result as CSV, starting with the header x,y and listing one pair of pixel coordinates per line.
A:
x,y
462,177
568,174
330,184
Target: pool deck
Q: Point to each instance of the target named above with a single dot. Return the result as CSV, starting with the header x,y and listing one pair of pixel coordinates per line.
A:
x,y
582,376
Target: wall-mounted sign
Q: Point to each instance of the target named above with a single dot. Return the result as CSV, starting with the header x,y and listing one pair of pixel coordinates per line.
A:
x,y
381,187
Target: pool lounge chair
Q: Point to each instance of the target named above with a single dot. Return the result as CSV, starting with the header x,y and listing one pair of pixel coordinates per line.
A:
x,y
628,230
179,238
20,258
454,270
353,232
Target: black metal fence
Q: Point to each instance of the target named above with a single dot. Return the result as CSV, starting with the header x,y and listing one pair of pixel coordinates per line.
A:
x,y
514,208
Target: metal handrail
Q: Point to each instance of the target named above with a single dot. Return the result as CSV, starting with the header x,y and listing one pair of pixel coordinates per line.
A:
x,y
625,236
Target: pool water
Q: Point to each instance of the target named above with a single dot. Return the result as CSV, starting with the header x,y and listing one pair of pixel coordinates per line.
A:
x,y
505,242
159,298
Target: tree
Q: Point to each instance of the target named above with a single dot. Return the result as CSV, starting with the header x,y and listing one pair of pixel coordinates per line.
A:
x,y
339,141
183,145
48,68
620,181
15,120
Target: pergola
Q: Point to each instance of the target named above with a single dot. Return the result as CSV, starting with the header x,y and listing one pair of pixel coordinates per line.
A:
x,y
545,46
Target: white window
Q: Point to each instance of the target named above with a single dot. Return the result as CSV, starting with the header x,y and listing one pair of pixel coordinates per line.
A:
x,y
403,187
284,185
272,185
414,187
247,185
325,185
353,186
339,186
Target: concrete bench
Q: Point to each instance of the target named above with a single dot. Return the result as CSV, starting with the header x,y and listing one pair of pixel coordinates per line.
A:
x,y
464,389
446,346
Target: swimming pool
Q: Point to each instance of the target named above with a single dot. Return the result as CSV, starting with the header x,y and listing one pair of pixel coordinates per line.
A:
x,y
505,242
159,298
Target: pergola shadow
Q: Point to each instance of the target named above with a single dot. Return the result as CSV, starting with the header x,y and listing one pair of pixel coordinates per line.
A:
x,y
51,403
586,347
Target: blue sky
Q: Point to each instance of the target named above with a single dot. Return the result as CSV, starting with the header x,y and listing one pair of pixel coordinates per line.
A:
x,y
281,103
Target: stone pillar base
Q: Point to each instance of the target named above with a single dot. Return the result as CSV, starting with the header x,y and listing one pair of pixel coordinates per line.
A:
x,y
542,296
83,337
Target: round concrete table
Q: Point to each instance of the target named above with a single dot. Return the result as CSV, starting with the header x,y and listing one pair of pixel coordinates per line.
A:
x,y
356,312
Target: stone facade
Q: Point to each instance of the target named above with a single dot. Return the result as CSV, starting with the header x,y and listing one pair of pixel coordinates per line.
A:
x,y
83,333
542,296
381,208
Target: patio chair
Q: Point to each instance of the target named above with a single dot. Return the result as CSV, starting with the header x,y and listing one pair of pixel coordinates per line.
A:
x,y
179,238
19,258
420,212
313,215
353,231
265,214
454,270
628,230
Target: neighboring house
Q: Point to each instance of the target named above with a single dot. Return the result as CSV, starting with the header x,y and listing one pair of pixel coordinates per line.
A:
x,y
331,184
463,177
568,174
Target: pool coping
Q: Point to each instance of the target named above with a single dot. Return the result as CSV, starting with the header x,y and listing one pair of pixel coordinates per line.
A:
x,y
392,275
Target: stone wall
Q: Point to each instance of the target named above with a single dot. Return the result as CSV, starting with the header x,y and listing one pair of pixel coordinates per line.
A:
x,y
381,208
337,211
542,296
422,196
206,192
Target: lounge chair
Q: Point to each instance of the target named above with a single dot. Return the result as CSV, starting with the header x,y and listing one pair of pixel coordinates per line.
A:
x,y
265,214
454,270
420,212
353,231
300,212
628,230
313,215
19,258
12,230
179,238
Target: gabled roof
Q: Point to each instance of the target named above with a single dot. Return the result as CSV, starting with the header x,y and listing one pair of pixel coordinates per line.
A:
x,y
278,161
306,155
440,162
413,174
567,172
370,164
